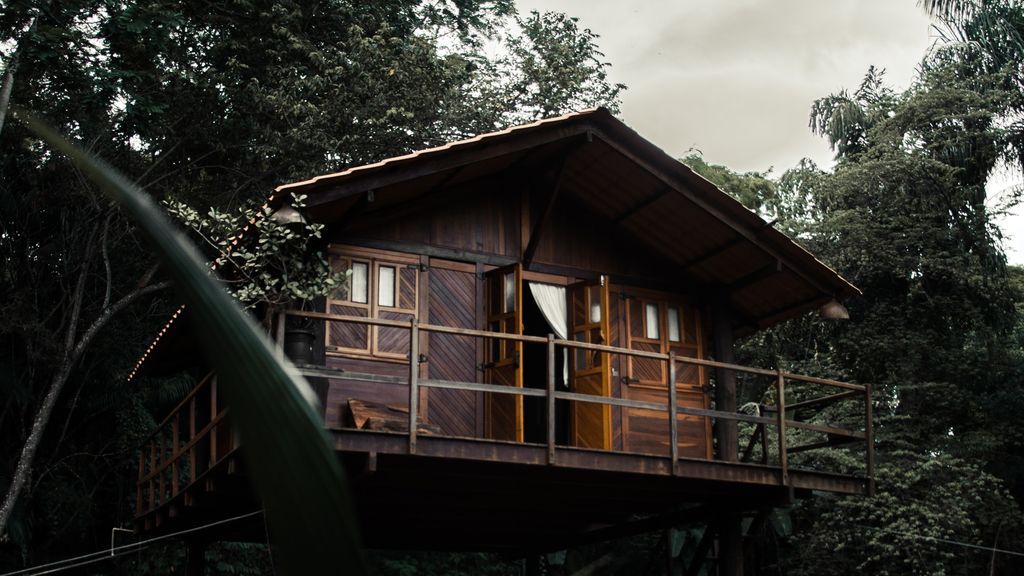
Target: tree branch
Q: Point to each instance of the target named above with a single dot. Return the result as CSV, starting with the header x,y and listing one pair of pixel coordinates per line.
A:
x,y
28,452
106,259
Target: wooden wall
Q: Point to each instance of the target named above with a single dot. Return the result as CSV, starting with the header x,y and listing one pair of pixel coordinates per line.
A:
x,y
460,232
453,357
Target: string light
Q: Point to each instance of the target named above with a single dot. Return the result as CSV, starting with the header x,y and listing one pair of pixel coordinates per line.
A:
x,y
213,266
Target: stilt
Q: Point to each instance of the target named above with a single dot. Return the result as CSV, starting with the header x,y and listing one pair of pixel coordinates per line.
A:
x,y
533,565
669,553
730,545
195,563
726,434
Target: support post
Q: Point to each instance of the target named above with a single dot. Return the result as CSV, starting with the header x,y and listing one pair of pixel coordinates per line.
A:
x,y
551,399
195,562
138,485
780,391
193,459
673,417
726,433
730,545
414,375
214,430
175,445
730,528
869,439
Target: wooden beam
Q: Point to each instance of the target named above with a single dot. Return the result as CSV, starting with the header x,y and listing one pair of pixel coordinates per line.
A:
x,y
440,161
437,193
552,196
762,273
769,318
723,248
641,205
684,189
707,539
338,227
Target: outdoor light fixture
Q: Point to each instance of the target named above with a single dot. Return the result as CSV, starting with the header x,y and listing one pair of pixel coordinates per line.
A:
x,y
833,310
286,215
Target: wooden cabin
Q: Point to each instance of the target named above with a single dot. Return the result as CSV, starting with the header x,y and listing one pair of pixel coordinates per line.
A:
x,y
535,349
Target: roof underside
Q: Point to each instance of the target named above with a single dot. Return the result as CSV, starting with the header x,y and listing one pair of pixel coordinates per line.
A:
x,y
643,192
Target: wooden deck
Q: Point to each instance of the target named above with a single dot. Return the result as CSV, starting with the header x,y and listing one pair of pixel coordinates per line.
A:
x,y
426,490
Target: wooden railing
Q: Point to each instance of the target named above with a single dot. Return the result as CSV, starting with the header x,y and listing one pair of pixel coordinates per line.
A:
x,y
194,438
776,416
197,436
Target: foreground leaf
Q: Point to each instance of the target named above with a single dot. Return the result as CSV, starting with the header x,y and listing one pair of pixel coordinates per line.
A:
x,y
296,474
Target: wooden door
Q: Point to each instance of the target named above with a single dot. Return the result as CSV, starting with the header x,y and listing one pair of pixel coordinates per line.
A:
x,y
658,324
503,418
591,424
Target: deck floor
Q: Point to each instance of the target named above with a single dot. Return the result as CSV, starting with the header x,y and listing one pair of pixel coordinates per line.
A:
x,y
470,494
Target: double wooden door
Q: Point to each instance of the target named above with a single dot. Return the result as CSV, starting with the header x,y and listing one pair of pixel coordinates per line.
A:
x,y
590,370
656,323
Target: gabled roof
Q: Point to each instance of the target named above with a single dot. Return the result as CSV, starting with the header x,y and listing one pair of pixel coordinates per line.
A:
x,y
630,182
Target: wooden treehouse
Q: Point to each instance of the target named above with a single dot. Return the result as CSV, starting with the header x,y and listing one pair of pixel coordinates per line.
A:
x,y
535,350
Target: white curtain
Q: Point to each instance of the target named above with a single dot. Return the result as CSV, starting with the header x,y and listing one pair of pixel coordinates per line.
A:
x,y
552,303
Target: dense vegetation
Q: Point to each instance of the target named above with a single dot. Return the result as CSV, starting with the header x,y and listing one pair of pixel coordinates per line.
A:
x,y
212,105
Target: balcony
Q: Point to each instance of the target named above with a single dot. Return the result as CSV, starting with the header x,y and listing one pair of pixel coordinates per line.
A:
x,y
191,464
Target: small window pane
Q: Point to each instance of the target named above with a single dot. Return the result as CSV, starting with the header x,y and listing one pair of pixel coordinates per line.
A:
x,y
510,292
673,324
595,304
386,286
651,325
496,343
360,274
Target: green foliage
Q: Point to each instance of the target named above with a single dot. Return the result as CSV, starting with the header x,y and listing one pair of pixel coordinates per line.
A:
x,y
265,261
926,502
182,99
550,67
310,512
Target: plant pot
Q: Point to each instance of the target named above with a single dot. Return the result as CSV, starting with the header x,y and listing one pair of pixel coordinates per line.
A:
x,y
298,345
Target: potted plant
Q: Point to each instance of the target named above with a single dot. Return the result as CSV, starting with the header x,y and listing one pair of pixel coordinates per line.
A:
x,y
270,260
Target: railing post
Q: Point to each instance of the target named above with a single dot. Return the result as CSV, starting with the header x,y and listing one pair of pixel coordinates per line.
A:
x,y
162,450
414,373
138,486
152,468
193,460
780,391
213,415
281,317
551,399
869,439
673,422
175,447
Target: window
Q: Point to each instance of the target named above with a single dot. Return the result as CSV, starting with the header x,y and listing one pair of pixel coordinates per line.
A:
x,y
652,324
661,323
380,285
673,324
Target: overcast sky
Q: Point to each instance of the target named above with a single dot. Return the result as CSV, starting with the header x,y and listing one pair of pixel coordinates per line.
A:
x,y
735,79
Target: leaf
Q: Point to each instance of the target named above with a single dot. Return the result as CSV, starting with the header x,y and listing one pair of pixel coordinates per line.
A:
x,y
296,473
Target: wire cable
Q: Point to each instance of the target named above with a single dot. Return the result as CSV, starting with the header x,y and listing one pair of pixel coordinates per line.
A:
x,y
106,553
946,541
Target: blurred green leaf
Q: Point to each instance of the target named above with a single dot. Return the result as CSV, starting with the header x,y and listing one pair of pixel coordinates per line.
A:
x,y
296,473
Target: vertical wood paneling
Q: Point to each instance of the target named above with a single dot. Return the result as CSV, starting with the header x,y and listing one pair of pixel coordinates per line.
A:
x,y
453,357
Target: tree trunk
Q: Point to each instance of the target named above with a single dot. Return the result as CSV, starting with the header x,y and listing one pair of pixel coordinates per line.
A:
x,y
24,468
5,92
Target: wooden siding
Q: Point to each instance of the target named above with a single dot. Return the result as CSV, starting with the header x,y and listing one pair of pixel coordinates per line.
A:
x,y
453,357
481,216
341,390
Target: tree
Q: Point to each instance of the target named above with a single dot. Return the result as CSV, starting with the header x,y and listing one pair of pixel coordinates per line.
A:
x,y
904,217
179,96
